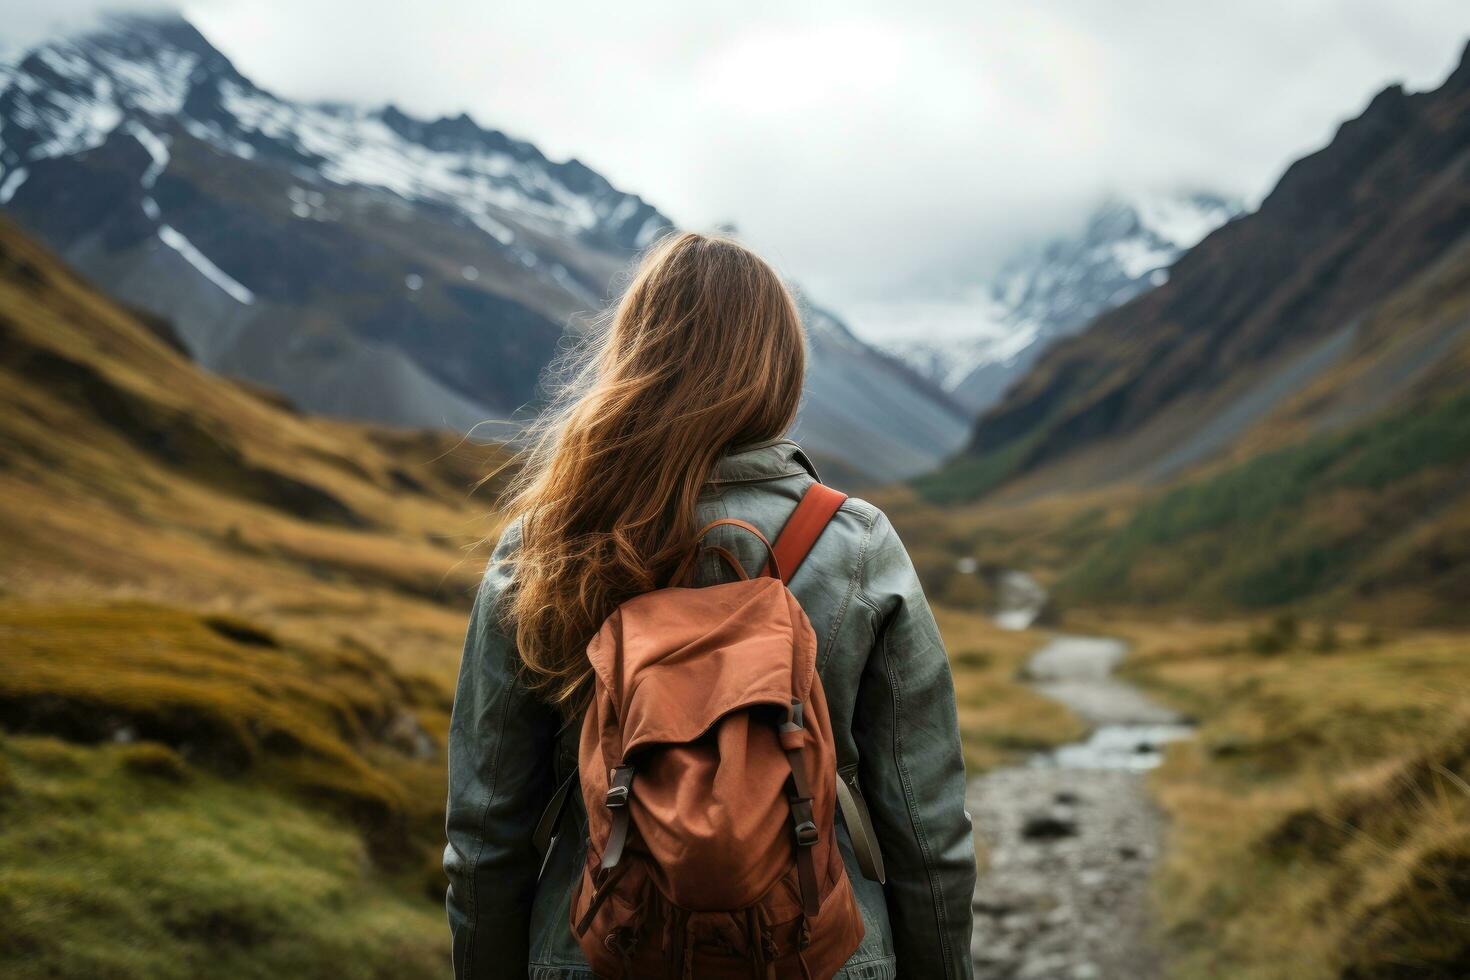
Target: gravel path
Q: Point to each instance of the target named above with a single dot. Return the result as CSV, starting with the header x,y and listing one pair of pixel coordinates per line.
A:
x,y
1072,835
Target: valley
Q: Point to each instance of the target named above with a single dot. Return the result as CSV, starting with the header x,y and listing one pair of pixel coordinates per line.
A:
x,y
1196,533
1268,799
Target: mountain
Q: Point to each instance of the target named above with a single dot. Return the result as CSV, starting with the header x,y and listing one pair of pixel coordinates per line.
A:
x,y
1125,247
363,262
849,379
1306,296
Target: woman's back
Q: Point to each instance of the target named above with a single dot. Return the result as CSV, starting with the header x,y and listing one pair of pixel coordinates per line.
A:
x,y
889,695
704,352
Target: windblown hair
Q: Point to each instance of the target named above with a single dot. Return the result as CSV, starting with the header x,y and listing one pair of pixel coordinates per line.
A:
x,y
704,352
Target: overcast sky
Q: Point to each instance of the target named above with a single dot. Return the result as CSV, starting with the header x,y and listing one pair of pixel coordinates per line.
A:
x,y
881,154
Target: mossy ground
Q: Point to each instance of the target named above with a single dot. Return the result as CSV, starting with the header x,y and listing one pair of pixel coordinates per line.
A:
x,y
223,803
124,861
228,635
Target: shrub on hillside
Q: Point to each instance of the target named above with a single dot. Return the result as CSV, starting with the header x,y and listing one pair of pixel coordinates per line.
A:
x,y
1327,515
1278,636
155,761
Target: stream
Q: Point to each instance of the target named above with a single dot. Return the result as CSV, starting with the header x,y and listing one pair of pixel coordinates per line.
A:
x,y
1071,833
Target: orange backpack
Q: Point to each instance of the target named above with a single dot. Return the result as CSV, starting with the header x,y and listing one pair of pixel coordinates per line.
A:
x,y
709,770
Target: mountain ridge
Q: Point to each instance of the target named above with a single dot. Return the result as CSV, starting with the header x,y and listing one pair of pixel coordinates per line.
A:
x,y
1043,292
364,262
1343,230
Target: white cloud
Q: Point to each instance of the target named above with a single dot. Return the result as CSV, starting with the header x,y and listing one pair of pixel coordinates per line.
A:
x,y
876,151
25,22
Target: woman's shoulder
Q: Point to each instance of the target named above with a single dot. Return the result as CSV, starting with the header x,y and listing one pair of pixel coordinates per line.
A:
x,y
884,567
500,569
864,524
862,512
508,543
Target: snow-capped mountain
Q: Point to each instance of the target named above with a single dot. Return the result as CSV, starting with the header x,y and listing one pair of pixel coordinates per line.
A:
x,y
1125,247
362,261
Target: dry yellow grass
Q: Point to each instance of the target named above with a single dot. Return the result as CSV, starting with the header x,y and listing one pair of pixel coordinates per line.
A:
x,y
1320,823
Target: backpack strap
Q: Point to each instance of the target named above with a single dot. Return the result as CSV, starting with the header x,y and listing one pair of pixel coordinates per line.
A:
x,y
796,539
686,567
803,821
619,792
860,830
610,869
544,836
802,529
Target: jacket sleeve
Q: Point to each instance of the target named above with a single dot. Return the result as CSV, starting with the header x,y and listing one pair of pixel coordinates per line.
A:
x,y
500,748
912,770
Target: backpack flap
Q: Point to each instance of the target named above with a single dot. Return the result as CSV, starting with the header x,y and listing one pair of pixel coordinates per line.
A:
x,y
673,669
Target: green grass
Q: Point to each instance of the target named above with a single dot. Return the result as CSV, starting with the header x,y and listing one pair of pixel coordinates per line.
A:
x,y
338,726
1285,526
968,478
188,794
123,861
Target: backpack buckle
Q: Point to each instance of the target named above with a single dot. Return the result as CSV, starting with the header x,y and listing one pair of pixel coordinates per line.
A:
x,y
620,787
806,833
795,718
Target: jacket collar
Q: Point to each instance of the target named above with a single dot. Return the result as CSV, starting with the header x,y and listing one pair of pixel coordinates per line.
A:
x,y
767,460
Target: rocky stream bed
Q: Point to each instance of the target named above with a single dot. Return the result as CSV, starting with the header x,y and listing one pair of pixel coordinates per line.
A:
x,y
1072,834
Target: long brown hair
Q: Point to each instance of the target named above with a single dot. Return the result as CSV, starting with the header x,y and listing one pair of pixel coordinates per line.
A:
x,y
705,351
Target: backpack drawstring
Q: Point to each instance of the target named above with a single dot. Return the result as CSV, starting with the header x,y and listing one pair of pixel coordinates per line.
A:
x,y
770,952
682,960
622,941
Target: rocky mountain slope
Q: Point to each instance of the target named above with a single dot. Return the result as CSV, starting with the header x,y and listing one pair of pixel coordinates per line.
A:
x,y
849,382
363,262
1124,248
222,621
1306,294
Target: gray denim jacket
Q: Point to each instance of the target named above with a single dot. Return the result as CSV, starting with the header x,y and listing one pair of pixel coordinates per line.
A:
x,y
891,699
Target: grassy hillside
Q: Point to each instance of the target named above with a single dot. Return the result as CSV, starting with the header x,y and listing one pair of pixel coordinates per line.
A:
x,y
1321,820
1377,516
229,633
129,473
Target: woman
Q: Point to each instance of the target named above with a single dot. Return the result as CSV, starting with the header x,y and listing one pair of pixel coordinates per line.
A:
x,y
678,419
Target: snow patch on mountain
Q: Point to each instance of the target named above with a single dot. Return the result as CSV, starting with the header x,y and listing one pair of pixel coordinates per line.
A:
x,y
12,183
976,344
157,152
69,95
458,260
176,241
